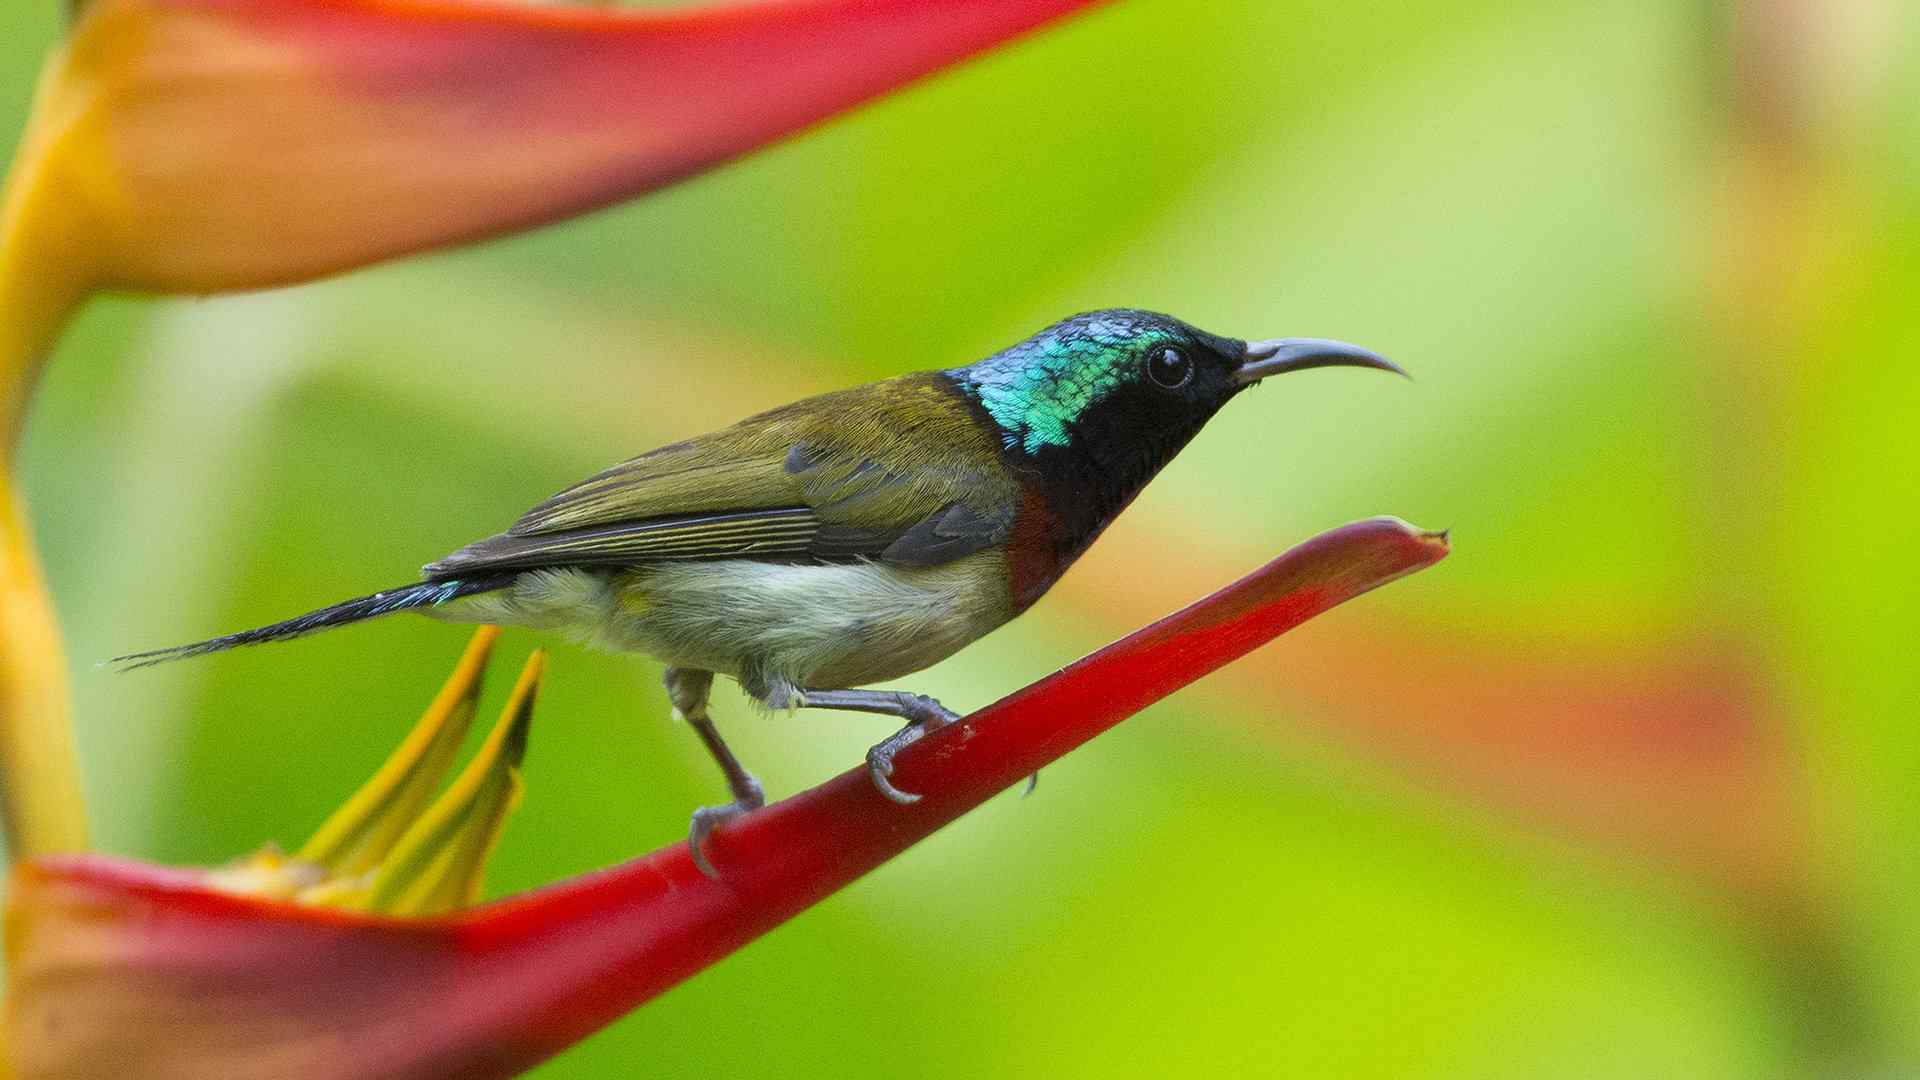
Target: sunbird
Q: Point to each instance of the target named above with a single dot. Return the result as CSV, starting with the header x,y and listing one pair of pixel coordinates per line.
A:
x,y
851,538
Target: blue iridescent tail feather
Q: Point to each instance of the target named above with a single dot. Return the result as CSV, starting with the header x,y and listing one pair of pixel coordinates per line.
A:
x,y
404,598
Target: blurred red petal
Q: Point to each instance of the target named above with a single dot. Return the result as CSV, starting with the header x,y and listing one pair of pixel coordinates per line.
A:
x,y
117,968
1671,750
227,144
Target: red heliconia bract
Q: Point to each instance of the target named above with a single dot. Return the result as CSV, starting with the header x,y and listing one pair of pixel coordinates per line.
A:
x,y
122,967
240,143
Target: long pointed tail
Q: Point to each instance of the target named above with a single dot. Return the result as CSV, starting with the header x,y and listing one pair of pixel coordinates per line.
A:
x,y
422,594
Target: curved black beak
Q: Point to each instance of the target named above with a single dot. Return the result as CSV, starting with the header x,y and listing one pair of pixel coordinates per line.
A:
x,y
1281,355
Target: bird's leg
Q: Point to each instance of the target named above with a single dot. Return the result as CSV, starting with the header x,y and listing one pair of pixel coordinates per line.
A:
x,y
688,689
922,714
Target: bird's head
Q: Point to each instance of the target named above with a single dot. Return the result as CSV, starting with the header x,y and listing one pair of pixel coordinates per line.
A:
x,y
1089,409
1129,386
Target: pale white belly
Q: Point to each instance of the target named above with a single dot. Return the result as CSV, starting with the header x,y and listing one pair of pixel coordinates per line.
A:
x,y
774,627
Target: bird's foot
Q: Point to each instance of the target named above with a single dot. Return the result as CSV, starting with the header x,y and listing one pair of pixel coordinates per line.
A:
x,y
708,818
924,715
1032,782
880,763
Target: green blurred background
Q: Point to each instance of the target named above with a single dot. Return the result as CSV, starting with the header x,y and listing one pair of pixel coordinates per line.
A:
x,y
1624,788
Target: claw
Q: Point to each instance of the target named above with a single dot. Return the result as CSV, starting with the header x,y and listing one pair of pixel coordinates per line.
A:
x,y
708,818
880,767
880,763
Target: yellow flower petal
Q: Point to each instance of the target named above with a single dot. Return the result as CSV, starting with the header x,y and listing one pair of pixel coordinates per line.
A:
x,y
437,866
267,874
363,831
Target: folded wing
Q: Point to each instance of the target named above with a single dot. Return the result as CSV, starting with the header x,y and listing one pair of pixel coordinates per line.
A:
x,y
894,471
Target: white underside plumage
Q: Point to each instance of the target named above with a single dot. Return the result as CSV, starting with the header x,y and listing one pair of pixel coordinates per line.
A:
x,y
777,628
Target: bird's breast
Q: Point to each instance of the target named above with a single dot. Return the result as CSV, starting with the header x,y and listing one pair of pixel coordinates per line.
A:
x,y
814,625
1036,552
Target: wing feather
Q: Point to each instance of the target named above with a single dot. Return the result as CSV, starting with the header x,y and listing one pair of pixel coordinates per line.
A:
x,y
804,481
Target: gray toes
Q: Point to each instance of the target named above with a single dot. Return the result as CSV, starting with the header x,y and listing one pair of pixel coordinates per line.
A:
x,y
880,768
705,820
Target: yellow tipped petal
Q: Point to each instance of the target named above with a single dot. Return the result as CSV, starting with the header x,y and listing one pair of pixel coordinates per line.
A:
x,y
361,834
391,847
437,866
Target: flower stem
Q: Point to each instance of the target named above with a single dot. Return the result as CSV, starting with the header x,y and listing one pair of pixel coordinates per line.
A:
x,y
41,807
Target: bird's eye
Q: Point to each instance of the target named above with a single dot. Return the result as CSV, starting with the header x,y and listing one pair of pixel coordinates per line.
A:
x,y
1169,367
